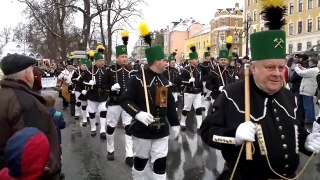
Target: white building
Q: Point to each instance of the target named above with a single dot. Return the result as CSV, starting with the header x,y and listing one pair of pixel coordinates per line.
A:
x,y
23,48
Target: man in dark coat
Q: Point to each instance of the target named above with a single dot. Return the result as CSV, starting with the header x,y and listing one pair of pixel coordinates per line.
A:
x,y
21,107
274,127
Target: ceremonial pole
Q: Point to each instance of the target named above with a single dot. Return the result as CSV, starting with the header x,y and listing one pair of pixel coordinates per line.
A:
x,y
247,107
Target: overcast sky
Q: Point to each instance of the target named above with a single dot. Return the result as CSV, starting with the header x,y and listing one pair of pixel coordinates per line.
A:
x,y
157,14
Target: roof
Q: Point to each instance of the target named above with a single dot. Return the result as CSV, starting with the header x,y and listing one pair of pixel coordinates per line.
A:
x,y
206,29
183,25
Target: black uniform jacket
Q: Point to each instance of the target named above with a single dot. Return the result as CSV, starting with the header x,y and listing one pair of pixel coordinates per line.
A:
x,y
99,91
195,87
174,78
133,101
277,114
117,74
214,81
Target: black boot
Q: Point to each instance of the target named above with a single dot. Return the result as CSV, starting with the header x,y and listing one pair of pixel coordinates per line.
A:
x,y
103,135
93,133
110,156
129,161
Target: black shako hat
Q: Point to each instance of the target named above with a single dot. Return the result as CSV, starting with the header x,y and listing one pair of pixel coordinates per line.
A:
x,y
15,63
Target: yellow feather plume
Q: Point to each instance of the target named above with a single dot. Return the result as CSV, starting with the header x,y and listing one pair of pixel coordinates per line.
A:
x,y
191,45
208,45
100,47
273,3
229,39
143,29
124,34
91,53
72,54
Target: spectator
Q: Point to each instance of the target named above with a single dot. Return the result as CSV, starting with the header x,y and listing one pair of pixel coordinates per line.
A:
x,y
27,153
295,81
37,85
240,72
308,88
21,107
58,121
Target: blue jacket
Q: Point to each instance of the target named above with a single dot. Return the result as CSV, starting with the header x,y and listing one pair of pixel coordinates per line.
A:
x,y
58,121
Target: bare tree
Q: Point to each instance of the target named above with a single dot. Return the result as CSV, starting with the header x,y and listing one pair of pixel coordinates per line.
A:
x,y
51,20
119,13
5,33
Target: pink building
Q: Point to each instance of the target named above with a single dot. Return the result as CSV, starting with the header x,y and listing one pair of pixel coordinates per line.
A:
x,y
177,33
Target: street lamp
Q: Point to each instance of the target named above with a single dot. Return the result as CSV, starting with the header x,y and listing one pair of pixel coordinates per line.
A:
x,y
245,32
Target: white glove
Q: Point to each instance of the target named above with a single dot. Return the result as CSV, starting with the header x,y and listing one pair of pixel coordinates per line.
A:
x,y
174,132
191,80
221,88
236,77
170,83
91,82
144,117
245,132
72,92
313,142
115,87
84,92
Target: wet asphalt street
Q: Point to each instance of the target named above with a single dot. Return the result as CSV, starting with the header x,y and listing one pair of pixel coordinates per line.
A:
x,y
84,157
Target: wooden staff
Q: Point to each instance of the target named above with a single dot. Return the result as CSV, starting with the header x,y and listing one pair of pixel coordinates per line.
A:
x,y
145,88
169,72
191,75
116,69
92,73
247,107
221,75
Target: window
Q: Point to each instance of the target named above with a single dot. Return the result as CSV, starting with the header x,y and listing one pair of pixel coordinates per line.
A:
x,y
290,48
255,16
223,22
299,27
235,39
309,25
299,47
310,2
309,44
300,5
318,3
319,23
248,2
291,8
18,46
291,29
254,30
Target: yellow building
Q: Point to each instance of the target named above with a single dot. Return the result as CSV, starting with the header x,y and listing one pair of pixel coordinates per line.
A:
x,y
303,23
200,39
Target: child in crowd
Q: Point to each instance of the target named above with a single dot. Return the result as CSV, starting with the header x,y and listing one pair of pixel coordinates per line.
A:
x,y
58,121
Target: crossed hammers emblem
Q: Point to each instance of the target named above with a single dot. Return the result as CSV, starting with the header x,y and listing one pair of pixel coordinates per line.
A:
x,y
278,42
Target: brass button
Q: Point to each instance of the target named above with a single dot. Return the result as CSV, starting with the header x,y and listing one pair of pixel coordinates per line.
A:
x,y
286,166
275,110
284,174
280,127
283,136
284,146
272,101
277,119
286,156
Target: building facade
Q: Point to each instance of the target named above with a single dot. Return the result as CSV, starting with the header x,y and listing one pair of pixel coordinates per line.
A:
x,y
138,50
303,23
23,48
176,34
199,39
226,22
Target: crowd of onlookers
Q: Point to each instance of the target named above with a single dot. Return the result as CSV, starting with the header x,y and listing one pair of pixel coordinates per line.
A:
x,y
304,82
